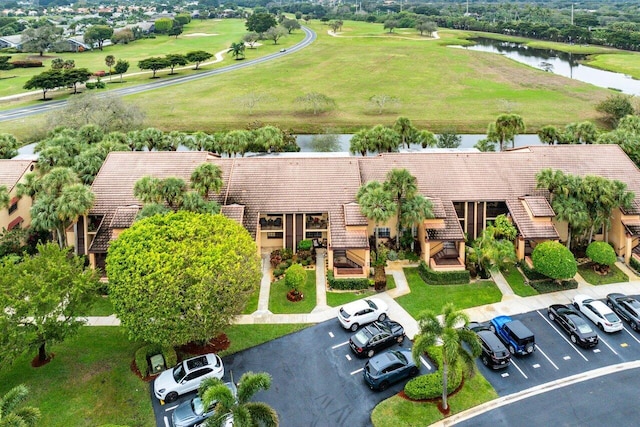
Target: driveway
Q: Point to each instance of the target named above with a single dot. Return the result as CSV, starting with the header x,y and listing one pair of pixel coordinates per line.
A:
x,y
317,381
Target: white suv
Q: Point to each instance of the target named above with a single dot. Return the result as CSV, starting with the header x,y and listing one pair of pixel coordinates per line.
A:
x,y
186,376
598,312
361,312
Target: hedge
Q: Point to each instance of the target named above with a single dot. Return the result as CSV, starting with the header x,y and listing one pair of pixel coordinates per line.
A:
x,y
549,285
347,284
429,386
442,277
635,264
143,353
602,253
26,63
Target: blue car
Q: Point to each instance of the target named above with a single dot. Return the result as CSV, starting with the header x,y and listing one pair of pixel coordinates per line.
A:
x,y
389,367
514,334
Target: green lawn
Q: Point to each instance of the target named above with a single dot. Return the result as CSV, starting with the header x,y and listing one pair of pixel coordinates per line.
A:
x,y
516,281
101,306
467,94
615,275
335,299
252,303
399,412
247,336
279,304
434,297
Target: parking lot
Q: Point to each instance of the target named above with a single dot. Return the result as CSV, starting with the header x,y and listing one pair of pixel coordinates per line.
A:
x,y
317,380
556,357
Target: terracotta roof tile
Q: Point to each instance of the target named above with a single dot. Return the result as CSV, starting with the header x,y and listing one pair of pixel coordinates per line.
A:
x,y
12,170
539,206
123,217
528,228
353,216
452,230
234,212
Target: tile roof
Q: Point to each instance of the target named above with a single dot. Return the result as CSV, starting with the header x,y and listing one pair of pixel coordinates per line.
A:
x,y
452,230
12,170
632,226
528,228
234,212
539,206
353,216
123,217
437,208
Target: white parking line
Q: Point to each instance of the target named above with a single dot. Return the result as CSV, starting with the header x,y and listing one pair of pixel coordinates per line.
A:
x,y
518,368
562,335
166,422
605,343
348,357
171,408
504,374
547,357
339,345
632,335
331,334
356,371
424,362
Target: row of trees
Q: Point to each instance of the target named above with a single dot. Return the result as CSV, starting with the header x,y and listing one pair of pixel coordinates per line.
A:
x,y
57,78
172,60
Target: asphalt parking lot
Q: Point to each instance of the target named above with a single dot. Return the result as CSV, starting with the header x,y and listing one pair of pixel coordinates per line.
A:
x,y
317,380
556,357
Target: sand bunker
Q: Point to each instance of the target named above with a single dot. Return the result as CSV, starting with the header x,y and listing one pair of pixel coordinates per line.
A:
x,y
200,35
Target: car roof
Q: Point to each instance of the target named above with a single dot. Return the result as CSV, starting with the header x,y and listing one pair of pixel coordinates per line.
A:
x,y
491,339
383,360
518,328
600,306
361,304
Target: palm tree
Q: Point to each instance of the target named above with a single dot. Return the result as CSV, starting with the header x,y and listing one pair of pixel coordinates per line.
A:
x,y
414,211
269,139
548,134
360,142
574,212
376,204
10,415
403,186
507,126
457,343
383,139
206,177
243,412
426,139
235,141
405,129
237,50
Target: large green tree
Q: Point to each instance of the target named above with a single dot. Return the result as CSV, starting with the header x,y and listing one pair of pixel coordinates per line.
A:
x,y
12,415
260,22
46,81
43,297
458,344
244,412
181,277
376,203
98,34
43,38
176,59
198,56
615,107
154,64
121,67
8,146
506,127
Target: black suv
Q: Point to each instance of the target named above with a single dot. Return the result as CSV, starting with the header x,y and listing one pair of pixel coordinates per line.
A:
x,y
375,337
494,354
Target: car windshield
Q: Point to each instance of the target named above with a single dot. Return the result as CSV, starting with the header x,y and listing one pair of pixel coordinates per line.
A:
x,y
361,337
178,373
611,317
372,304
344,313
401,357
370,369
197,406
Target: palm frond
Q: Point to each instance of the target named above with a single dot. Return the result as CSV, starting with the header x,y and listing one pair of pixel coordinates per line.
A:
x,y
263,414
251,383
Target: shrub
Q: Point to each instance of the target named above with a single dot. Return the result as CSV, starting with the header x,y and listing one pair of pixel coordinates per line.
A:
x,y
278,272
100,73
601,253
347,284
90,85
287,254
275,258
554,260
530,273
26,63
430,386
548,286
100,85
295,276
303,254
305,245
143,354
392,255
442,278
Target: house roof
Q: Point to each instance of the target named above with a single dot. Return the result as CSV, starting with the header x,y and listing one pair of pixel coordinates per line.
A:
x,y
452,230
353,216
538,205
234,212
12,170
528,228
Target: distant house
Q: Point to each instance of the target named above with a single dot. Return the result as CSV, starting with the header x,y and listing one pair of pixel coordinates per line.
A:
x,y
14,42
18,214
146,27
77,44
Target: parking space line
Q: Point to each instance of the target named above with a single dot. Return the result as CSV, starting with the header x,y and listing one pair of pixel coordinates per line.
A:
x,y
610,348
356,371
170,408
424,362
547,357
348,357
632,336
339,345
562,336
166,422
518,368
331,334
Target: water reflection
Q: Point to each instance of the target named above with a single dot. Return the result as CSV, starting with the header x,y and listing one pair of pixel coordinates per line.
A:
x,y
562,63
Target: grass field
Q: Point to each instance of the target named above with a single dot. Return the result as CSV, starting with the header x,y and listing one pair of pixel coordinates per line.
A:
x,y
615,275
434,297
279,304
438,88
516,282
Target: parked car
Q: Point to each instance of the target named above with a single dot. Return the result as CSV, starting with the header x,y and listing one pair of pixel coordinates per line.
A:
x,y
192,412
494,354
626,307
186,376
514,334
477,326
376,336
389,367
362,312
598,312
570,321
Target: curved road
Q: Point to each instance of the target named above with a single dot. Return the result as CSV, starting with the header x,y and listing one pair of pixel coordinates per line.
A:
x,y
18,113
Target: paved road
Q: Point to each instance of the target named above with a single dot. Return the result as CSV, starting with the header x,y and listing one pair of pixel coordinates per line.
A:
x,y
18,113
317,380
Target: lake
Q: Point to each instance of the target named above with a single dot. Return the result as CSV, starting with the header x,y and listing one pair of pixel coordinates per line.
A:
x,y
561,63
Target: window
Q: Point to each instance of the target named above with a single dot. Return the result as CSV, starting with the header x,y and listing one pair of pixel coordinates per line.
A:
x,y
13,207
314,234
460,213
384,232
496,208
274,235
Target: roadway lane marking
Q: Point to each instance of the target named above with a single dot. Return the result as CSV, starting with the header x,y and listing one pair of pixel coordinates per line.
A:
x,y
610,348
547,357
518,368
331,334
424,362
166,422
339,345
632,335
562,335
171,408
348,357
356,371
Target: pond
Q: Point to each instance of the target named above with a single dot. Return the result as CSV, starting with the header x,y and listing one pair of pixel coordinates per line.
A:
x,y
561,63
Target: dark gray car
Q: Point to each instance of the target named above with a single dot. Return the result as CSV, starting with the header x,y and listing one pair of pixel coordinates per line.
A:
x,y
626,307
192,412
